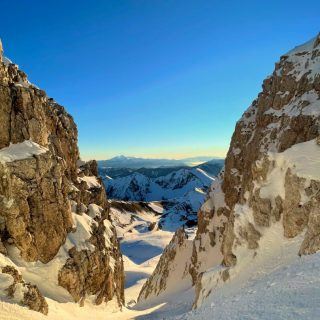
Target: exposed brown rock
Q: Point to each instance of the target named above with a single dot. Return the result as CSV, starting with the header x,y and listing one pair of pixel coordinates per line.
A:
x,y
36,194
32,298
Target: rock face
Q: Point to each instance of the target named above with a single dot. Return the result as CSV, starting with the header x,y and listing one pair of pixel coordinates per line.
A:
x,y
44,194
97,270
271,179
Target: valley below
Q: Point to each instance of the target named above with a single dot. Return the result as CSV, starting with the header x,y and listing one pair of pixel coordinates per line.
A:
x,y
147,206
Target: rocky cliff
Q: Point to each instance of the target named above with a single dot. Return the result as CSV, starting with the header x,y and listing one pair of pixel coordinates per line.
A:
x,y
53,208
267,194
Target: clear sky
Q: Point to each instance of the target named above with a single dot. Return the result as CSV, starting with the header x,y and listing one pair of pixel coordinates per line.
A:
x,y
153,77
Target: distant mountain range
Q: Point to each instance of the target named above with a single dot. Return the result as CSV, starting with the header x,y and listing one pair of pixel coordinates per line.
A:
x,y
211,167
180,190
137,163
180,193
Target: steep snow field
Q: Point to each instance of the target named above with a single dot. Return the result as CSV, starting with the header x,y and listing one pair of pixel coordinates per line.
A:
x,y
282,291
281,285
274,284
141,241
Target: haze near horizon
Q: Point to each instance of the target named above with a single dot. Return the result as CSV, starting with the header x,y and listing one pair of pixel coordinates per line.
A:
x,y
158,79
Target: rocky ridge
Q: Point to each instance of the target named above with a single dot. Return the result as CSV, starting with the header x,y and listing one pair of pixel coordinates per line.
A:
x,y
53,208
271,181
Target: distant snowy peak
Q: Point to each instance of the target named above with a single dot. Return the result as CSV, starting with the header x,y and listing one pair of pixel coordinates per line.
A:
x,y
121,158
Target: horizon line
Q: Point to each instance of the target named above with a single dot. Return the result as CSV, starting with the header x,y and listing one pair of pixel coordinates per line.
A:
x,y
149,157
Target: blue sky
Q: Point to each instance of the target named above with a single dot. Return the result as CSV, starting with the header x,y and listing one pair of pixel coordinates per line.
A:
x,y
155,77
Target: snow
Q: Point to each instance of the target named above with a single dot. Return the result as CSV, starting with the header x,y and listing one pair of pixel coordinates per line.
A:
x,y
308,104
108,233
91,181
303,159
138,243
95,211
139,187
253,268
79,239
216,197
20,151
141,247
301,58
70,311
177,196
6,61
45,276
5,281
288,290
275,251
156,207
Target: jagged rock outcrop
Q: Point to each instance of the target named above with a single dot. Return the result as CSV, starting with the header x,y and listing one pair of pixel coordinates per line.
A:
x,y
24,293
271,180
47,202
97,270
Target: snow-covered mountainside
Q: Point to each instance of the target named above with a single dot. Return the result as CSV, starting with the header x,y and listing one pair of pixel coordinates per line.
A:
x,y
139,187
262,212
57,243
181,193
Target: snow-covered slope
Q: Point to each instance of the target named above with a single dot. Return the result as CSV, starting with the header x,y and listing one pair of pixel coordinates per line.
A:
x,y
284,288
263,211
142,241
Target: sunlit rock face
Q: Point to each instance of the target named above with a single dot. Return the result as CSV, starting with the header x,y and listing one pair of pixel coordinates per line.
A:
x,y
53,208
270,184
